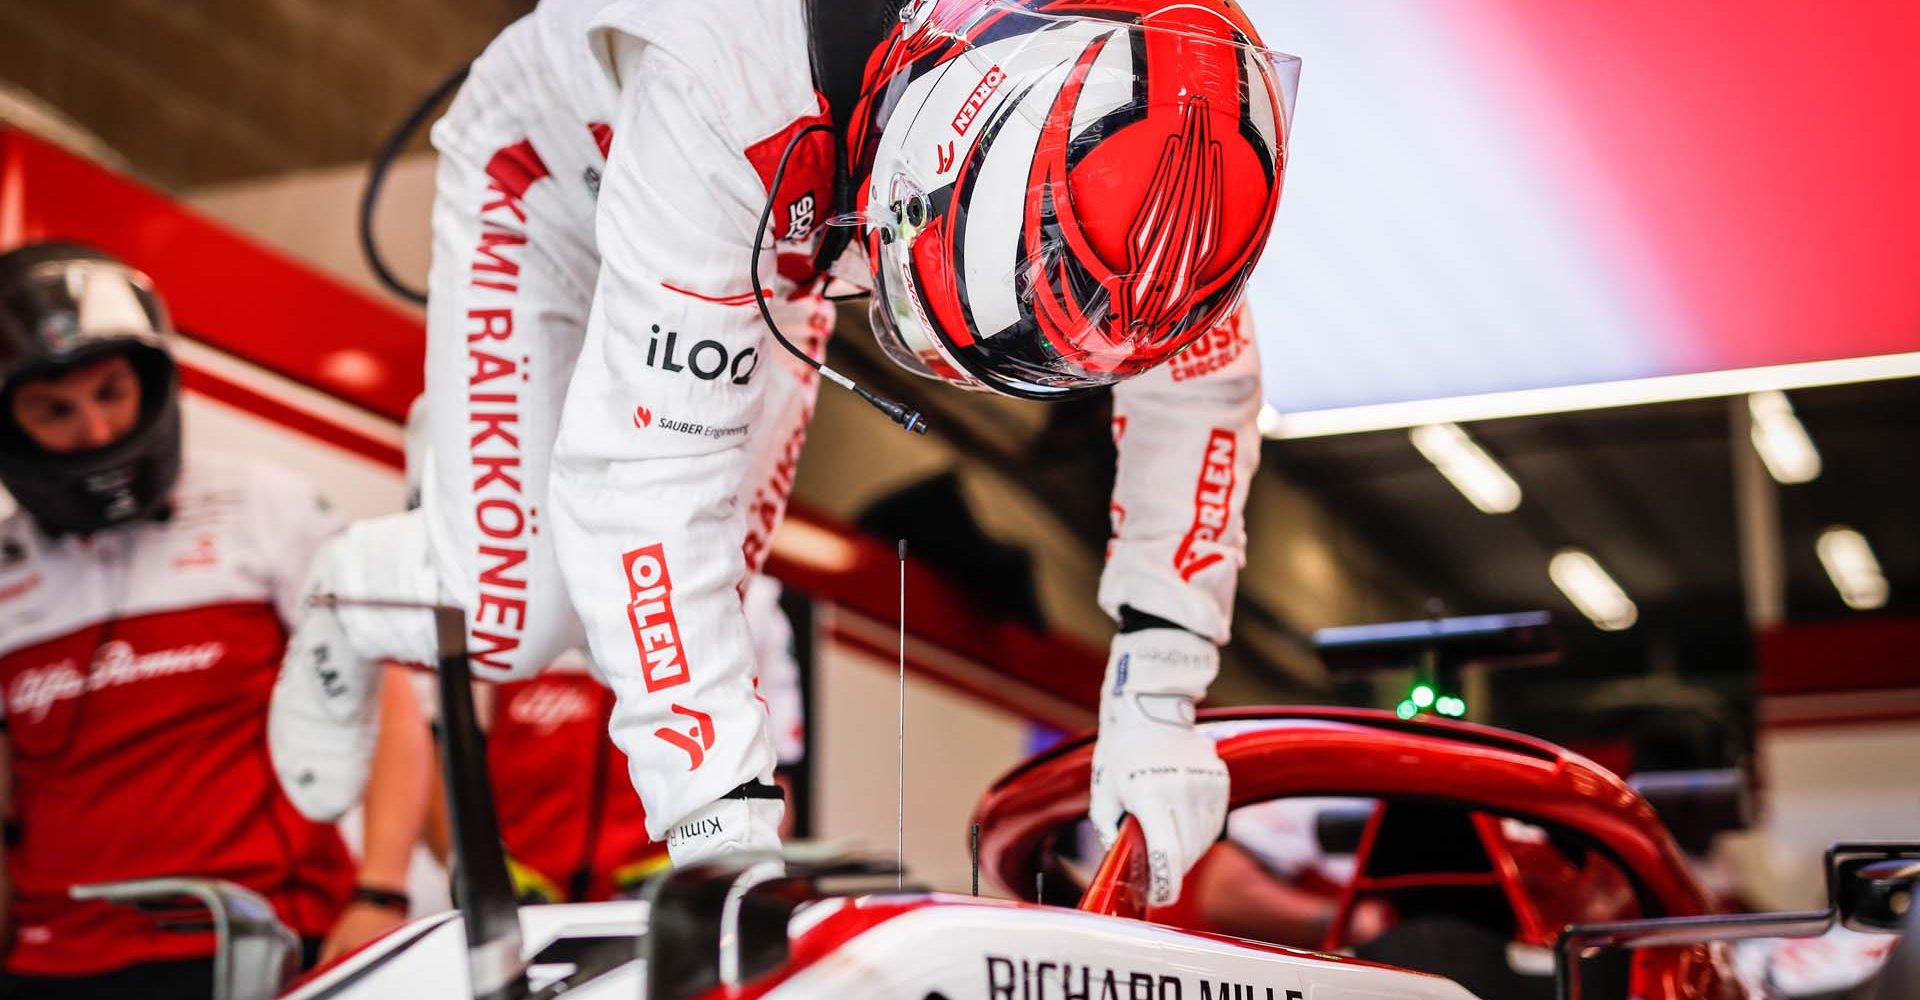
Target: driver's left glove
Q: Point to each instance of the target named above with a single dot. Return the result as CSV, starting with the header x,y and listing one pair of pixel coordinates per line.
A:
x,y
1150,763
745,820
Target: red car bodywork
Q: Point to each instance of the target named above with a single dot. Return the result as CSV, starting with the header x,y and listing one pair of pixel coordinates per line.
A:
x,y
1296,752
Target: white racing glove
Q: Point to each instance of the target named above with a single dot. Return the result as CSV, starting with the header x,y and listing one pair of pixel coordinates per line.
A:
x,y
322,720
1150,763
747,819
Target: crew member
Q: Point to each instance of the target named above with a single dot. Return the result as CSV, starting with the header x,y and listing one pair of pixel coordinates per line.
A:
x,y
1045,197
144,607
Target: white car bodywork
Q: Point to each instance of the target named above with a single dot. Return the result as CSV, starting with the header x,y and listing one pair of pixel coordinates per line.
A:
x,y
912,946
427,959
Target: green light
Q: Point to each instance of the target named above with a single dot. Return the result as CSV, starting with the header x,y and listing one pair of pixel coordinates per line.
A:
x,y
1423,696
1406,710
1451,706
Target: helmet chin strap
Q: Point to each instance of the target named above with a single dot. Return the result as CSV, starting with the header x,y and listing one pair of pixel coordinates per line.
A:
x,y
899,413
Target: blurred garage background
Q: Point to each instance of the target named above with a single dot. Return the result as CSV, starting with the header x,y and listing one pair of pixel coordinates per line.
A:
x,y
1585,321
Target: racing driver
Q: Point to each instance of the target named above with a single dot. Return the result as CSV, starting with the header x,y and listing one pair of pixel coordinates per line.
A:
x,y
144,603
640,206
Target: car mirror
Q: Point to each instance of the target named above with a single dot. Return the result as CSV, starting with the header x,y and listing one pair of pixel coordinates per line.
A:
x,y
1869,888
1875,894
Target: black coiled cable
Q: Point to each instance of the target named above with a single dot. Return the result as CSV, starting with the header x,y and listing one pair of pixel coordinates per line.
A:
x,y
377,178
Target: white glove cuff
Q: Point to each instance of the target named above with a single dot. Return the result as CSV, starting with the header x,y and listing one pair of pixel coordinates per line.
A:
x,y
726,826
1160,661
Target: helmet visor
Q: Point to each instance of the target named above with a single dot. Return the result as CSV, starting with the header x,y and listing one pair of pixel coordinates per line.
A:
x,y
886,332
1074,199
67,311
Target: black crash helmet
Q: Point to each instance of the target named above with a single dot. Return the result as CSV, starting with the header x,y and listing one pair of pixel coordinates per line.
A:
x,y
63,304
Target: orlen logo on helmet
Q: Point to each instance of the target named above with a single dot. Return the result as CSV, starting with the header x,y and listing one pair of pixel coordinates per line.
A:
x,y
963,119
656,634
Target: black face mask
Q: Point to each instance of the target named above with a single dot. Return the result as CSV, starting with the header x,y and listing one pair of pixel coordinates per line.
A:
x,y
62,305
83,492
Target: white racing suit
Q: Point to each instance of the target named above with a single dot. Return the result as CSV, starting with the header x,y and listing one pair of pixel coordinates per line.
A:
x,y
613,430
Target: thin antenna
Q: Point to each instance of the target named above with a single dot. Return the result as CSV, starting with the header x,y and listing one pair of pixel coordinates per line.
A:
x,y
900,752
974,847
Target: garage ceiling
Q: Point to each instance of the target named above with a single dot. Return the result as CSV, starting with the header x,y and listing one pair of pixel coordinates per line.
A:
x,y
195,92
1648,489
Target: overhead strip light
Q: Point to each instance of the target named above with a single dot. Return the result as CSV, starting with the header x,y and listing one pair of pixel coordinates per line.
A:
x,y
1781,439
1852,568
1468,467
1594,395
1580,576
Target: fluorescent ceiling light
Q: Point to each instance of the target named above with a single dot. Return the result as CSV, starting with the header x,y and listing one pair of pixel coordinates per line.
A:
x,y
1594,396
1852,568
1579,576
1781,440
1469,468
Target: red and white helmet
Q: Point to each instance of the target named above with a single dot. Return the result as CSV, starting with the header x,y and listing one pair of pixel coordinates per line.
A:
x,y
1059,194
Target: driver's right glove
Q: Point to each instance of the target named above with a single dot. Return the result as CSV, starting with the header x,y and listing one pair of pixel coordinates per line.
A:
x,y
1149,761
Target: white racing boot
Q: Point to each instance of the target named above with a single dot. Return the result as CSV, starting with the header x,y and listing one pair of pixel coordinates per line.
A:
x,y
323,719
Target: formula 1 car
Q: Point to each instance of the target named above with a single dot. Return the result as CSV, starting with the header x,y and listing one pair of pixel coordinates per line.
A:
x,y
1483,843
